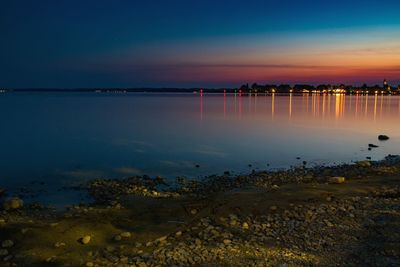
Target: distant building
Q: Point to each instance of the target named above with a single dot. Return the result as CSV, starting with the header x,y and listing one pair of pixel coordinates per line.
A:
x,y
385,84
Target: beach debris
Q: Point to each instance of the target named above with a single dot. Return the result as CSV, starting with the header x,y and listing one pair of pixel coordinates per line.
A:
x,y
13,203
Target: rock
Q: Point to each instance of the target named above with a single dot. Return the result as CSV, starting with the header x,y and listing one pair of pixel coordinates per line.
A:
x,y
178,234
336,180
110,248
273,208
162,239
13,203
126,235
364,163
227,241
328,223
89,264
9,257
59,244
372,145
197,242
383,137
7,243
245,226
117,238
85,240
3,252
193,211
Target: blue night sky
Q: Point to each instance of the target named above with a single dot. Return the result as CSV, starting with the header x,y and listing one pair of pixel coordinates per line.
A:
x,y
176,43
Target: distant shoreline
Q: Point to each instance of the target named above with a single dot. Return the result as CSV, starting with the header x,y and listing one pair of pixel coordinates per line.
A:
x,y
184,91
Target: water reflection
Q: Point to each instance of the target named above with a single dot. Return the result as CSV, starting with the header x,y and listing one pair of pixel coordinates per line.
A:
x,y
308,106
46,134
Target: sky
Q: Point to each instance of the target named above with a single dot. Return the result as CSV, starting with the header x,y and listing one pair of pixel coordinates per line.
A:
x,y
180,43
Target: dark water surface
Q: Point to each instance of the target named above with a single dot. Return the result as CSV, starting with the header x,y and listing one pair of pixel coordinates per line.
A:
x,y
65,138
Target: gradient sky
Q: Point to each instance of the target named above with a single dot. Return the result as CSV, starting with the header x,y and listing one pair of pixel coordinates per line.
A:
x,y
181,43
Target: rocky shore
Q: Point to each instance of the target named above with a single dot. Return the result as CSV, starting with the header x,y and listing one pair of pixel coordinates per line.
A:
x,y
346,215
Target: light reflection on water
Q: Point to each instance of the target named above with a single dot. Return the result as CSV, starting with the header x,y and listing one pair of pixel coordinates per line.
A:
x,y
70,137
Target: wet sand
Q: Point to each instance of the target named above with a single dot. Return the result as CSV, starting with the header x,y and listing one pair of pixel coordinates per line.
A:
x,y
297,217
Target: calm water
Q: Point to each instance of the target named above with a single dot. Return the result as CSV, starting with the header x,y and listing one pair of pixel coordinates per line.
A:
x,y
62,139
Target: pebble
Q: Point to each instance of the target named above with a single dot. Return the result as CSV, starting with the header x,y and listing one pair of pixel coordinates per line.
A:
x,y
227,241
3,252
85,240
273,208
117,238
245,226
193,211
7,243
178,234
126,235
336,180
59,244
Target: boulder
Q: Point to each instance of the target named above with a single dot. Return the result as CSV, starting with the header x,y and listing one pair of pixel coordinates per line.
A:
x,y
383,137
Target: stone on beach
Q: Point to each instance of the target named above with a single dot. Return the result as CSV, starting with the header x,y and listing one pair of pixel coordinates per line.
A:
x,y
85,240
7,243
383,137
3,252
364,163
126,235
336,180
13,203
